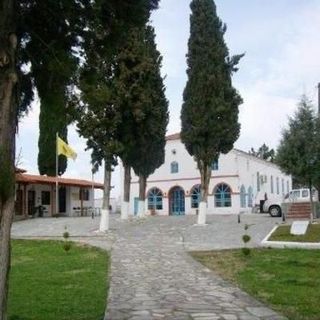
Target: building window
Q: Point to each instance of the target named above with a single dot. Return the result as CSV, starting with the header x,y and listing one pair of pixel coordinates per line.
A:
x,y
282,186
222,196
155,199
195,196
215,165
174,167
258,181
250,197
287,186
84,194
278,189
242,197
271,184
45,198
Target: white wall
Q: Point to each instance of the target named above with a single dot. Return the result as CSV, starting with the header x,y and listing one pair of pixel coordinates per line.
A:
x,y
235,169
249,166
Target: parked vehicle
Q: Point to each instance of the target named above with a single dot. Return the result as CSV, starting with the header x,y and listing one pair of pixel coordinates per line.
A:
x,y
273,206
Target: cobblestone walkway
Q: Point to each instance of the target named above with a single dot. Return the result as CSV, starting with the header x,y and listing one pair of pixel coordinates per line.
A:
x,y
153,277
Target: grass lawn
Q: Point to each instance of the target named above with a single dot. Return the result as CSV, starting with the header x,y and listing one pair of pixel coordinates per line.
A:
x,y
286,279
47,283
282,233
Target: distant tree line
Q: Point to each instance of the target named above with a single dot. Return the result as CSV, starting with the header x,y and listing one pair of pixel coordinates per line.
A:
x,y
263,152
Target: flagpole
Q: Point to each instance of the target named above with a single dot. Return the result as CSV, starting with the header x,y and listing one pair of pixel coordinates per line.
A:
x,y
93,204
57,173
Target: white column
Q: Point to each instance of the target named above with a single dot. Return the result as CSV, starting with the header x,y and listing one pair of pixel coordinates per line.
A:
x,y
141,209
124,210
202,213
104,220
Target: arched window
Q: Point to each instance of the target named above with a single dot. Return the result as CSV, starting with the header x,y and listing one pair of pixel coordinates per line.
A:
x,y
174,167
155,199
250,197
242,197
195,196
222,195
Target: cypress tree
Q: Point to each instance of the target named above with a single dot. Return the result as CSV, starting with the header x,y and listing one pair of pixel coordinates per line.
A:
x,y
151,118
53,33
104,121
130,78
209,113
50,31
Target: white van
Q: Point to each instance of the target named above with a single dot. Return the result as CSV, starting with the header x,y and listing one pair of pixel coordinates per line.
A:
x,y
273,206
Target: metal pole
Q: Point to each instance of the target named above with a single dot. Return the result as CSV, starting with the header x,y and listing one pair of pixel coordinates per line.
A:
x,y
93,209
57,174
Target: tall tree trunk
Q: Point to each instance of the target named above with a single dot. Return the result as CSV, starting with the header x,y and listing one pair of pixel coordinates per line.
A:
x,y
8,118
104,220
205,172
142,196
126,192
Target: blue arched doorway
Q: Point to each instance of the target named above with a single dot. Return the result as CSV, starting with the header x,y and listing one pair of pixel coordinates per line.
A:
x,y
176,201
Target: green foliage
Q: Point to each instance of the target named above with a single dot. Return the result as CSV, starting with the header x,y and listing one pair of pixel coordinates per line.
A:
x,y
246,238
53,36
299,151
263,152
209,113
245,251
104,119
142,101
67,246
66,235
50,32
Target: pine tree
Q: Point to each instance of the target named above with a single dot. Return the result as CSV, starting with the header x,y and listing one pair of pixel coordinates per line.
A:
x,y
299,151
210,103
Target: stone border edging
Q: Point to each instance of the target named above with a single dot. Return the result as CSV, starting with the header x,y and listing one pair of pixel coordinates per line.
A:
x,y
287,244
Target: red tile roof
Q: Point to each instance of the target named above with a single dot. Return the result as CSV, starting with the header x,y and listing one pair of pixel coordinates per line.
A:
x,y
175,136
36,179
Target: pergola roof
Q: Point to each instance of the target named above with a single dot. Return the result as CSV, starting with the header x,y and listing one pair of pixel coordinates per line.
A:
x,y
36,179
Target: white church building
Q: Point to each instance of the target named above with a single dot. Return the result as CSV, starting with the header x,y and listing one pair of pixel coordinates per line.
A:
x,y
238,182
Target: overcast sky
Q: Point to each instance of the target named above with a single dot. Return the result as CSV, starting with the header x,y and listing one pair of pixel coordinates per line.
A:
x,y
280,39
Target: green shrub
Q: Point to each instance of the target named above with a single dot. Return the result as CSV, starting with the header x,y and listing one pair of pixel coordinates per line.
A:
x,y
67,246
245,251
66,235
246,238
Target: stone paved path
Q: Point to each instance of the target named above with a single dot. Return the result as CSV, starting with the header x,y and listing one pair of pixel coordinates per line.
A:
x,y
152,275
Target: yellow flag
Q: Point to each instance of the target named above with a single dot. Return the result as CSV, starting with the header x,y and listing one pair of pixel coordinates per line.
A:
x,y
65,149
